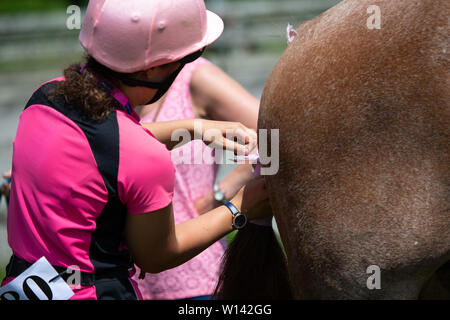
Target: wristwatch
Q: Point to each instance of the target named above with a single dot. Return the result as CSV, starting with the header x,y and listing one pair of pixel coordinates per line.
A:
x,y
239,219
218,194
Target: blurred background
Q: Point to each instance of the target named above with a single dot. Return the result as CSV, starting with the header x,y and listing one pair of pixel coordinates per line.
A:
x,y
36,45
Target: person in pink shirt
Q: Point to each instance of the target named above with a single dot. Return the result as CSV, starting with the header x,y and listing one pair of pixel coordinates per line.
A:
x,y
201,90
92,187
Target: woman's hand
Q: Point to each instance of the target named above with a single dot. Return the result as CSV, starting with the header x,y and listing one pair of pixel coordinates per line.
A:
x,y
233,136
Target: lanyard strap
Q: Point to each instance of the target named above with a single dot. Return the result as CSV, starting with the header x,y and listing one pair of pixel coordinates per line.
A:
x,y
114,92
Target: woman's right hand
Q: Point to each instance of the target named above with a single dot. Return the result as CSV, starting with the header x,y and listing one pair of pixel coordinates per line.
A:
x,y
217,134
222,135
253,199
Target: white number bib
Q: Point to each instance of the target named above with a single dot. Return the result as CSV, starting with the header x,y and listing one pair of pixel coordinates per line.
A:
x,y
34,284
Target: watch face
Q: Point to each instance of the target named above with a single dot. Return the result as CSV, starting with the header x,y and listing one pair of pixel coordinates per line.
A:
x,y
240,221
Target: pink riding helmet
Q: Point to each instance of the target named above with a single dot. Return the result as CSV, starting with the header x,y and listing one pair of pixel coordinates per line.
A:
x,y
135,35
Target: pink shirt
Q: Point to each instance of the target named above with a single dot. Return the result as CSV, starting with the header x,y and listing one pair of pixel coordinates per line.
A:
x,y
57,191
198,276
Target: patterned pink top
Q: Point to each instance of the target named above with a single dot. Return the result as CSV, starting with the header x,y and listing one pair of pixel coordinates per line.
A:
x,y
198,276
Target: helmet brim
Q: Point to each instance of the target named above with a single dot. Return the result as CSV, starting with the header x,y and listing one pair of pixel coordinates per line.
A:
x,y
214,29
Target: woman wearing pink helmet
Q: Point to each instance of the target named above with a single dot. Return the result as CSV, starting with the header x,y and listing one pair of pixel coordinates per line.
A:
x,y
201,90
93,188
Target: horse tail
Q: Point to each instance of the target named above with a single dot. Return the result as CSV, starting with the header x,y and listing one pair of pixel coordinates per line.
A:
x,y
254,267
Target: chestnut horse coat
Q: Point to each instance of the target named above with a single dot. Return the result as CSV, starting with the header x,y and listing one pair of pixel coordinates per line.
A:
x,y
364,119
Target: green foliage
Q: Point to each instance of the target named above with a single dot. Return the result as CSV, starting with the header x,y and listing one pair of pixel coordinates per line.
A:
x,y
16,6
2,272
231,236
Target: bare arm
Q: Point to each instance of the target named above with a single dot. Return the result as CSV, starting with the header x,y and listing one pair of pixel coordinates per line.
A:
x,y
230,185
157,244
217,96
165,246
211,132
163,130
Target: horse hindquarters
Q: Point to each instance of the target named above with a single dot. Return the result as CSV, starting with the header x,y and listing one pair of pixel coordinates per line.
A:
x,y
364,158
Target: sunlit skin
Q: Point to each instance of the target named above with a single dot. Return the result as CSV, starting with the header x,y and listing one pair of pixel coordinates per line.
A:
x,y
154,240
216,96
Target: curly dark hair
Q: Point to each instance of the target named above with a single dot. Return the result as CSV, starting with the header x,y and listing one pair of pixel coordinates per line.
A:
x,y
81,89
